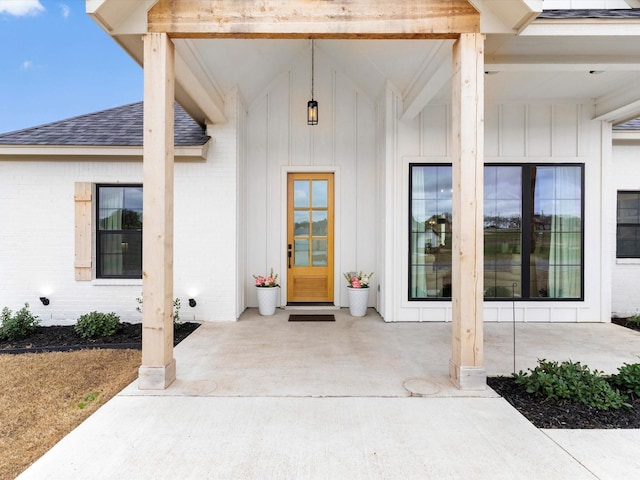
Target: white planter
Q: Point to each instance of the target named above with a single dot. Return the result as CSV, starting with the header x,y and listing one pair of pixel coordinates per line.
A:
x,y
267,300
358,299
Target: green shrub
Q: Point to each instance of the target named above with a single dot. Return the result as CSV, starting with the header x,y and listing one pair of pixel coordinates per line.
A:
x,y
570,382
20,325
97,324
628,379
634,320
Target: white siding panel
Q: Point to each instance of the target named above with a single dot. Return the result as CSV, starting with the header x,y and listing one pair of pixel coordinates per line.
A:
x,y
257,205
539,130
491,130
299,95
434,131
366,189
346,128
566,135
278,124
327,87
513,130
278,155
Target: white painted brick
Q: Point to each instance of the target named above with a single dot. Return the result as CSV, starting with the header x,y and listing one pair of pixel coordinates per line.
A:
x,y
37,236
626,272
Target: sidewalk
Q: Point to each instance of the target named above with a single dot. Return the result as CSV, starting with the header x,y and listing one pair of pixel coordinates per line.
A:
x,y
263,398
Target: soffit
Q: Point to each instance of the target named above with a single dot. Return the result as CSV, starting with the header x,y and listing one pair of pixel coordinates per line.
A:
x,y
526,67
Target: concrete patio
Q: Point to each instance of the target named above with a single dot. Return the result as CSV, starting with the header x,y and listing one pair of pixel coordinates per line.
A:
x,y
356,398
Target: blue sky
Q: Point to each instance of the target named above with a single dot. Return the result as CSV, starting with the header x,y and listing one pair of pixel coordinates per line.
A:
x,y
56,63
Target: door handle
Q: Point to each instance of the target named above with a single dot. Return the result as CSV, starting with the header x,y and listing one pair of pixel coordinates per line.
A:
x,y
289,255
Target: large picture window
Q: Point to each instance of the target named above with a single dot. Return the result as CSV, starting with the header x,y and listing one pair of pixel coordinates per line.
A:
x,y
119,232
628,225
533,232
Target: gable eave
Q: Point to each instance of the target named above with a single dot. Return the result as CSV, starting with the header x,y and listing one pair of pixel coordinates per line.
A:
x,y
91,152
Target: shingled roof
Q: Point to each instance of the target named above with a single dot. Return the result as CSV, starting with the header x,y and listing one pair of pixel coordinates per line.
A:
x,y
120,126
630,125
592,13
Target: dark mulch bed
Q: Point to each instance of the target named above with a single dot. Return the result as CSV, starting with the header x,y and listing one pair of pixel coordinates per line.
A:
x,y
551,415
627,323
62,338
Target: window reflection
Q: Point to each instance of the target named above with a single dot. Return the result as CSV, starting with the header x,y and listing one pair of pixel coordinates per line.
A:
x,y
551,264
301,193
119,231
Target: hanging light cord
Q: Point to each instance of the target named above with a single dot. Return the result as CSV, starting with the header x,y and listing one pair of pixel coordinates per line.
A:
x,y
312,64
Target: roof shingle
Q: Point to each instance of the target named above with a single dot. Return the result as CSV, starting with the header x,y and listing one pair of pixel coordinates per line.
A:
x,y
630,125
120,126
592,13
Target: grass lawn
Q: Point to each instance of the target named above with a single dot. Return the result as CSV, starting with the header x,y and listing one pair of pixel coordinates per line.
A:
x,y
46,395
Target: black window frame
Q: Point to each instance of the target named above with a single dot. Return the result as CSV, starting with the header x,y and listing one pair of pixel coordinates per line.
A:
x,y
100,233
634,226
527,169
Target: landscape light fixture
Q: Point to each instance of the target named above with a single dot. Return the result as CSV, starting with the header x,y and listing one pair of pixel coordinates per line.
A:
x,y
45,301
192,302
312,105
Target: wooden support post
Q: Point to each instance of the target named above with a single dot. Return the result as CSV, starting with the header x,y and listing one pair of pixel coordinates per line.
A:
x,y
466,365
158,367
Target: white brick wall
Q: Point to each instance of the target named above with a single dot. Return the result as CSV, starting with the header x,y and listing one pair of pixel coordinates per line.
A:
x,y
37,235
626,272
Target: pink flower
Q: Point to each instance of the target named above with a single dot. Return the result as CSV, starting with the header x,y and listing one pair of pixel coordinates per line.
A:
x,y
355,283
270,280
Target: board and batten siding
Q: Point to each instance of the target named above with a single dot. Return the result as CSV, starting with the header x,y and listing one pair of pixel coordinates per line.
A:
x,y
280,141
514,133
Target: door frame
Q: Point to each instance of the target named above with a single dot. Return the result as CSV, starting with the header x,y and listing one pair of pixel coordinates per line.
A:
x,y
337,265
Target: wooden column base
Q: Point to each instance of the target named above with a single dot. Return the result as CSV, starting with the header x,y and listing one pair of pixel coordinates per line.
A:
x,y
156,378
468,378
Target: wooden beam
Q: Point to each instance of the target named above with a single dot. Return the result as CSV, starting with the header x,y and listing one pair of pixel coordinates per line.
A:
x,y
314,18
466,366
434,77
158,368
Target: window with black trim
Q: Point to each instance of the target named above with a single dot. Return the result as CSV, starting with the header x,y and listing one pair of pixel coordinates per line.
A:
x,y
533,231
119,231
628,225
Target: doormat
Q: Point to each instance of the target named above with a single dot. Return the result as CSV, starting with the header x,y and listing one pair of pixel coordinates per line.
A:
x,y
312,318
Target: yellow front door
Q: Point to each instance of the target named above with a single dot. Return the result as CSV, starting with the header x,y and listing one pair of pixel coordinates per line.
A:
x,y
310,237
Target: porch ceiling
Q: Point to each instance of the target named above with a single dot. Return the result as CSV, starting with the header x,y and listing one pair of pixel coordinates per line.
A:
x,y
252,64
534,65
526,68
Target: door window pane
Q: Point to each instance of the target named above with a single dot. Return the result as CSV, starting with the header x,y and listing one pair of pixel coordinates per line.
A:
x,y
319,255
301,253
319,193
301,223
319,223
301,193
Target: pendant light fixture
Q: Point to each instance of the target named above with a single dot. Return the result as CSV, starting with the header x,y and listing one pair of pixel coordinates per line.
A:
x,y
312,105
